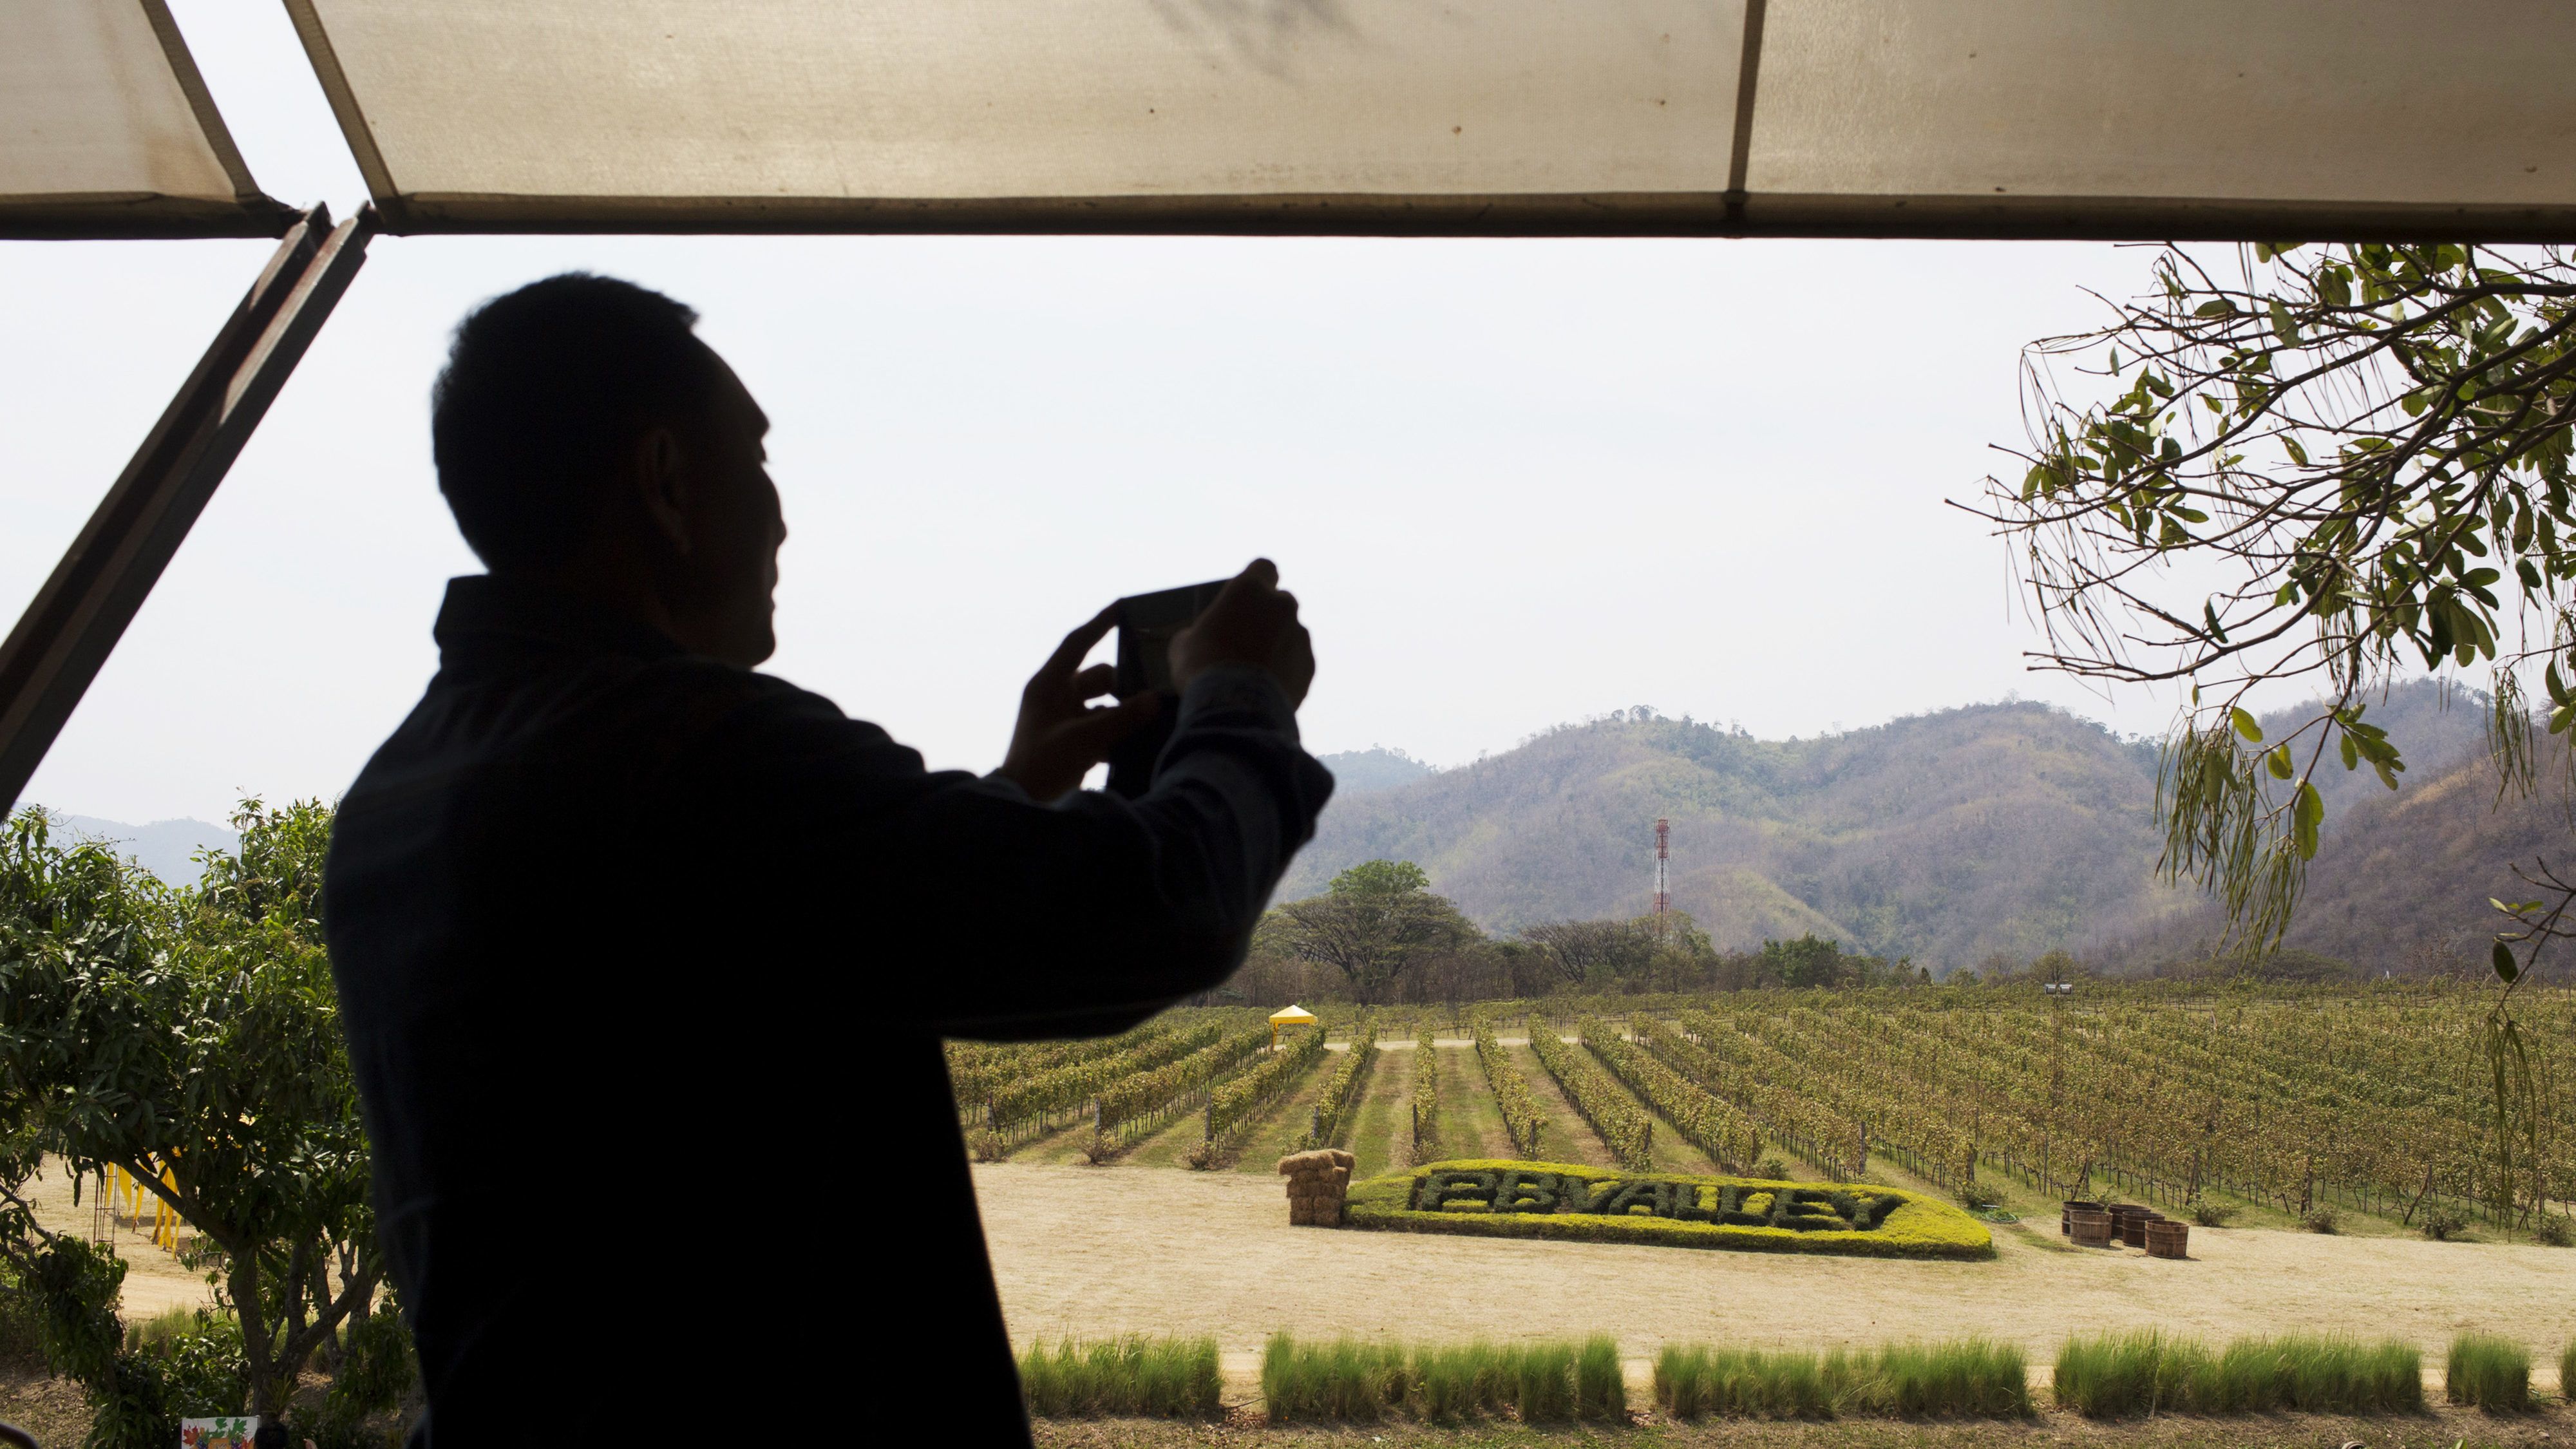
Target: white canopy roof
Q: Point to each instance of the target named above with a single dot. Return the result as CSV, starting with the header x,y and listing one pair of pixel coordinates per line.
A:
x,y
106,129
2149,118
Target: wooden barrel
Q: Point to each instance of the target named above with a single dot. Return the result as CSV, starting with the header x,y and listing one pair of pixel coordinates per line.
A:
x,y
2167,1238
2133,1226
2066,1214
2090,1228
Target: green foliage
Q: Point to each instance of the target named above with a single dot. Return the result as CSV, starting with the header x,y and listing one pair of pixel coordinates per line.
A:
x,y
2488,1372
1965,1379
1378,919
2441,1224
1626,1131
1380,880
2347,537
2567,1372
2210,1214
1237,1103
2322,1219
1349,1381
192,1039
2147,1371
1141,1101
1131,1377
1803,963
1522,1119
1020,1106
1718,1127
1426,1095
1344,1086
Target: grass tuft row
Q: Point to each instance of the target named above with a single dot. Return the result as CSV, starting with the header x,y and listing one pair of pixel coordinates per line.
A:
x,y
1131,1377
1347,1381
2148,1371
1967,1379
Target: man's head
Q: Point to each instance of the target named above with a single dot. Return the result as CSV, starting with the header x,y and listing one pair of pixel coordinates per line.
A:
x,y
586,437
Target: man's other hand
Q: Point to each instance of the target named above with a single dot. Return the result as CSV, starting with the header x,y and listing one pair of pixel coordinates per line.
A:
x,y
1059,735
1253,621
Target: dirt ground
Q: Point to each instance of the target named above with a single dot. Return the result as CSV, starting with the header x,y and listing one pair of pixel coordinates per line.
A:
x,y
1093,1251
155,1281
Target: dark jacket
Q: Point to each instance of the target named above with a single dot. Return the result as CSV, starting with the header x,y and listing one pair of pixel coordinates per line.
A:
x,y
644,962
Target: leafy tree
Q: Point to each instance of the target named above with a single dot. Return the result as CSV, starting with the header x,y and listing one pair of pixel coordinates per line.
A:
x,y
1594,952
1376,919
2316,463
1807,961
192,1039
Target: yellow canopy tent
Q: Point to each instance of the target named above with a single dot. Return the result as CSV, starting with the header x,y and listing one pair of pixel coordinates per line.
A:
x,y
1290,1015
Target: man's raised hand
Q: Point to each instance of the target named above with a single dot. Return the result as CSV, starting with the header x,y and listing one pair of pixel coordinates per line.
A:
x,y
1059,736
1253,621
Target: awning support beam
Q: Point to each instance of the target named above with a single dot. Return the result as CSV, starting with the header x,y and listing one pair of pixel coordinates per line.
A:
x,y
75,620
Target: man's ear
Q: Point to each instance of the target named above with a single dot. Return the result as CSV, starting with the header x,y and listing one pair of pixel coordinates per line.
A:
x,y
662,485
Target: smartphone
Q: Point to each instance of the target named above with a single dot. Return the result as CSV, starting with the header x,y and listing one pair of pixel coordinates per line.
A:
x,y
1146,624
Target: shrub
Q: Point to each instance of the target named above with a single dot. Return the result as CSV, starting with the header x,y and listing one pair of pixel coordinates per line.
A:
x,y
2552,1231
2567,1372
1135,1376
2322,1219
1101,1148
2442,1225
2212,1214
1772,1168
986,1145
1976,1197
2488,1372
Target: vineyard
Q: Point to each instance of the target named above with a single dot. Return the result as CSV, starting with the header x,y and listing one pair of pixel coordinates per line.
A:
x,y
2376,1100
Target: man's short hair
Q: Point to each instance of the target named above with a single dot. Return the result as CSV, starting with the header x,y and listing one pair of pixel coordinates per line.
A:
x,y
545,391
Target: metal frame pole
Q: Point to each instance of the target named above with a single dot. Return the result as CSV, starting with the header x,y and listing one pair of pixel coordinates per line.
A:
x,y
59,644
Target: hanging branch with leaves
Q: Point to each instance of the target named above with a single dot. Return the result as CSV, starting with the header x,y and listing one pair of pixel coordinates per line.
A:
x,y
2310,462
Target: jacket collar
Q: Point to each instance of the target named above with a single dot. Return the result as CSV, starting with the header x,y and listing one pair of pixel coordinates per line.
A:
x,y
482,608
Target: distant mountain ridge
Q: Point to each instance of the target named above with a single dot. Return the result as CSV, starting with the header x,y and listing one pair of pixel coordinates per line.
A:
x,y
165,847
2010,828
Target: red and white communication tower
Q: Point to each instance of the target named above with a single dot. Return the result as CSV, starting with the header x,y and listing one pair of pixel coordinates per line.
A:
x,y
1663,874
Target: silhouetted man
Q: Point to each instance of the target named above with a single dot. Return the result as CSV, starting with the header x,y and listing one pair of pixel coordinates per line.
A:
x,y
645,958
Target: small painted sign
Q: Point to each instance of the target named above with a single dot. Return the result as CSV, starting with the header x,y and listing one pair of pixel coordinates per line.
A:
x,y
224,1431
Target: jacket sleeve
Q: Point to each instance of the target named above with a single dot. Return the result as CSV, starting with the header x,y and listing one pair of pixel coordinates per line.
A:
x,y
990,915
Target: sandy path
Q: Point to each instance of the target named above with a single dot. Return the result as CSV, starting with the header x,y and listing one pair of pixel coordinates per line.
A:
x,y
1097,1251
154,1280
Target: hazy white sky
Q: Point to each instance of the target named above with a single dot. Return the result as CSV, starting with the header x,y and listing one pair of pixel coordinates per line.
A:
x,y
1515,482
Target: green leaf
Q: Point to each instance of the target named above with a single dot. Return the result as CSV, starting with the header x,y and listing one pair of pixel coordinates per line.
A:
x,y
2278,762
2505,969
2351,756
2216,307
2290,445
2282,325
2245,725
2307,812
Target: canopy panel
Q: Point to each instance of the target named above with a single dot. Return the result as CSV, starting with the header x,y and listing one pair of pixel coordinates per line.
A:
x,y
106,130
2146,118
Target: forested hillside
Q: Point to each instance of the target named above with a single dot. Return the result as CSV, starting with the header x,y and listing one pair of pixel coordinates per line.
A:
x,y
1949,837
